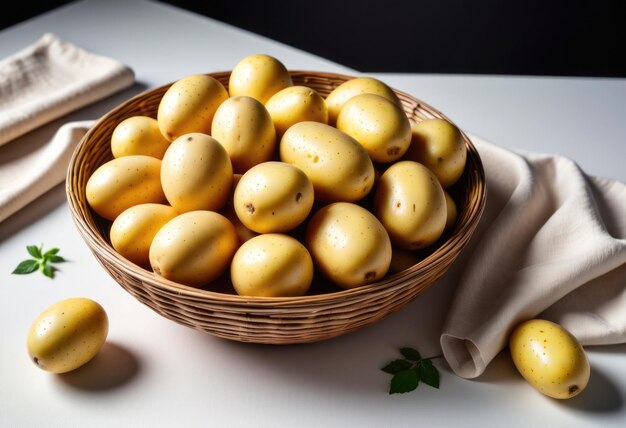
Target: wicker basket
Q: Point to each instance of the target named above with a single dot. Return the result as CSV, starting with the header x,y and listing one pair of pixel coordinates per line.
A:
x,y
274,320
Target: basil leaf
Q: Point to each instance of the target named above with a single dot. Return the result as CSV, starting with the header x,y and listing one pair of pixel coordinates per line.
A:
x,y
428,373
397,366
410,354
27,266
403,381
34,251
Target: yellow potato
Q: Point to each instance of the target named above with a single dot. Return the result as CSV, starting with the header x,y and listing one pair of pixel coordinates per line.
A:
x,y
348,244
138,135
439,145
67,334
244,127
133,230
124,182
451,211
272,265
259,77
402,259
196,173
549,358
378,124
296,104
273,197
189,105
356,86
194,248
410,203
243,233
337,165
228,211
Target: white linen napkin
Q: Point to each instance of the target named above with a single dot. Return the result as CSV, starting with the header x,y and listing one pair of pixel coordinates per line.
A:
x,y
551,244
25,177
38,84
51,78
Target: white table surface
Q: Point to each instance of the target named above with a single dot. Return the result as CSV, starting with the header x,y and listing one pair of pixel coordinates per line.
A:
x,y
154,372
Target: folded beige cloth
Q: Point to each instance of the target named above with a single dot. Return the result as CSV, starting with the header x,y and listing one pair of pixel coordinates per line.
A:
x,y
51,78
551,244
25,177
40,83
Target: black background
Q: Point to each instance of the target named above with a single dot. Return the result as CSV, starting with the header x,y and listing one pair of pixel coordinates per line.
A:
x,y
532,37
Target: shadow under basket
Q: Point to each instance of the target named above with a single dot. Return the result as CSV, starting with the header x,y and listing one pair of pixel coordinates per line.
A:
x,y
270,320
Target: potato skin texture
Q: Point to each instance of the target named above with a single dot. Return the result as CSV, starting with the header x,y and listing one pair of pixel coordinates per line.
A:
x,y
348,245
124,182
194,248
259,77
411,204
245,128
273,197
196,173
549,358
296,104
350,88
189,105
133,230
67,334
438,144
378,125
272,265
138,135
337,165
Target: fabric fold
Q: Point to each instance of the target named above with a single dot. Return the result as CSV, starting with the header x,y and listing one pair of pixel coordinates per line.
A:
x,y
51,78
29,176
551,244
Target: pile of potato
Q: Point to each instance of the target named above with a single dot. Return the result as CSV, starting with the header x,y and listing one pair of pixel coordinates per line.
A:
x,y
274,182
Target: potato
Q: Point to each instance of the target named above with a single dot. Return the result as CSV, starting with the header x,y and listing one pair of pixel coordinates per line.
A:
x,y
67,335
196,173
439,145
124,182
549,358
296,104
451,211
273,197
245,128
402,259
348,244
259,77
193,248
377,124
356,86
337,165
272,265
138,135
410,203
133,230
189,105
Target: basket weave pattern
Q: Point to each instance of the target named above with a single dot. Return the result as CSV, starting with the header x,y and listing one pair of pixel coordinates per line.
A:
x,y
274,320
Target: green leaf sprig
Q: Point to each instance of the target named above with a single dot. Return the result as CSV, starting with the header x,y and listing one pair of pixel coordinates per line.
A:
x,y
40,261
409,371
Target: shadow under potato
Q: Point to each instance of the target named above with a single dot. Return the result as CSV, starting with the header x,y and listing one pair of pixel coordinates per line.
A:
x,y
600,396
111,368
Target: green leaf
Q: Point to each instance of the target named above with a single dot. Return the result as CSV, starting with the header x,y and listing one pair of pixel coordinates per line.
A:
x,y
410,354
51,252
397,366
428,373
48,270
34,251
27,266
55,259
403,381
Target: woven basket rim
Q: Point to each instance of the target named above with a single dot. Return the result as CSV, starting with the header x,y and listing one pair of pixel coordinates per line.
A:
x,y
386,284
